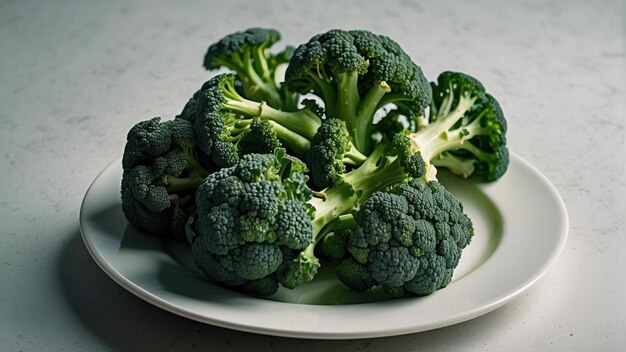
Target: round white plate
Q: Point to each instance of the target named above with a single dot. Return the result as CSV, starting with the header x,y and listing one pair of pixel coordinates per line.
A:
x,y
520,225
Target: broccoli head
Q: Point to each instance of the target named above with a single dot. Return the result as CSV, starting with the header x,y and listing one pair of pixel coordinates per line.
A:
x,y
465,130
247,53
408,239
161,172
357,73
226,128
253,223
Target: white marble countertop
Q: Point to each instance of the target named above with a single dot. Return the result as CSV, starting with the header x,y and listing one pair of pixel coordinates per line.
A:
x,y
76,75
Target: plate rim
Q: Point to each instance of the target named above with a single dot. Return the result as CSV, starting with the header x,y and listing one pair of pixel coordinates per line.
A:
x,y
495,303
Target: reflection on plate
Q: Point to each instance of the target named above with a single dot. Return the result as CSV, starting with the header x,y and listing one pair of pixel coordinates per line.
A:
x,y
510,216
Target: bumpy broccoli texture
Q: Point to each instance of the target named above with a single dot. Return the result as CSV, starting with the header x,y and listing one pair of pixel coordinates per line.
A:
x,y
161,175
408,239
267,178
252,222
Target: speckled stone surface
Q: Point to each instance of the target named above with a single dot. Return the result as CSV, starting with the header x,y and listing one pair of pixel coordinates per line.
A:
x,y
76,75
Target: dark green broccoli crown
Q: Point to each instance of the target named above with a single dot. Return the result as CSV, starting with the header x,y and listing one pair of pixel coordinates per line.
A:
x,y
354,275
297,270
390,63
493,160
249,215
333,245
220,53
328,147
145,141
217,127
374,57
260,138
333,51
398,229
156,157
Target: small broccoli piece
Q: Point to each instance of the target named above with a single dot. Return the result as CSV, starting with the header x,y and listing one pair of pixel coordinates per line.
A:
x,y
226,128
408,239
356,74
247,53
465,130
161,172
331,150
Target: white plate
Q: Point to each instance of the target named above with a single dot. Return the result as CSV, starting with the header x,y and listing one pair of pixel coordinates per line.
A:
x,y
520,222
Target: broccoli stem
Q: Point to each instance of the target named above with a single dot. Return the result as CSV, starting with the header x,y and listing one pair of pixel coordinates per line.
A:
x,y
178,184
324,89
291,140
364,118
353,157
304,121
349,99
376,173
259,85
458,166
437,137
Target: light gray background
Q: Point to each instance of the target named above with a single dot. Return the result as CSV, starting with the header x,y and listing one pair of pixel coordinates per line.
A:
x,y
76,75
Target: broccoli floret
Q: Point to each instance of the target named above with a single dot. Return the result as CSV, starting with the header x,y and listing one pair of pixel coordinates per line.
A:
x,y
225,124
252,222
247,53
161,172
465,130
331,150
408,239
356,73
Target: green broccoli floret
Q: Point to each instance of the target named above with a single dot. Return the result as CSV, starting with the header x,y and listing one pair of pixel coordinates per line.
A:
x,y
224,118
331,150
252,222
161,172
356,74
408,239
465,130
247,53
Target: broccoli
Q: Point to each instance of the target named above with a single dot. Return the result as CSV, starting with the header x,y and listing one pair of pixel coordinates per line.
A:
x,y
264,199
356,74
161,172
247,53
465,130
224,116
253,224
408,239
229,125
